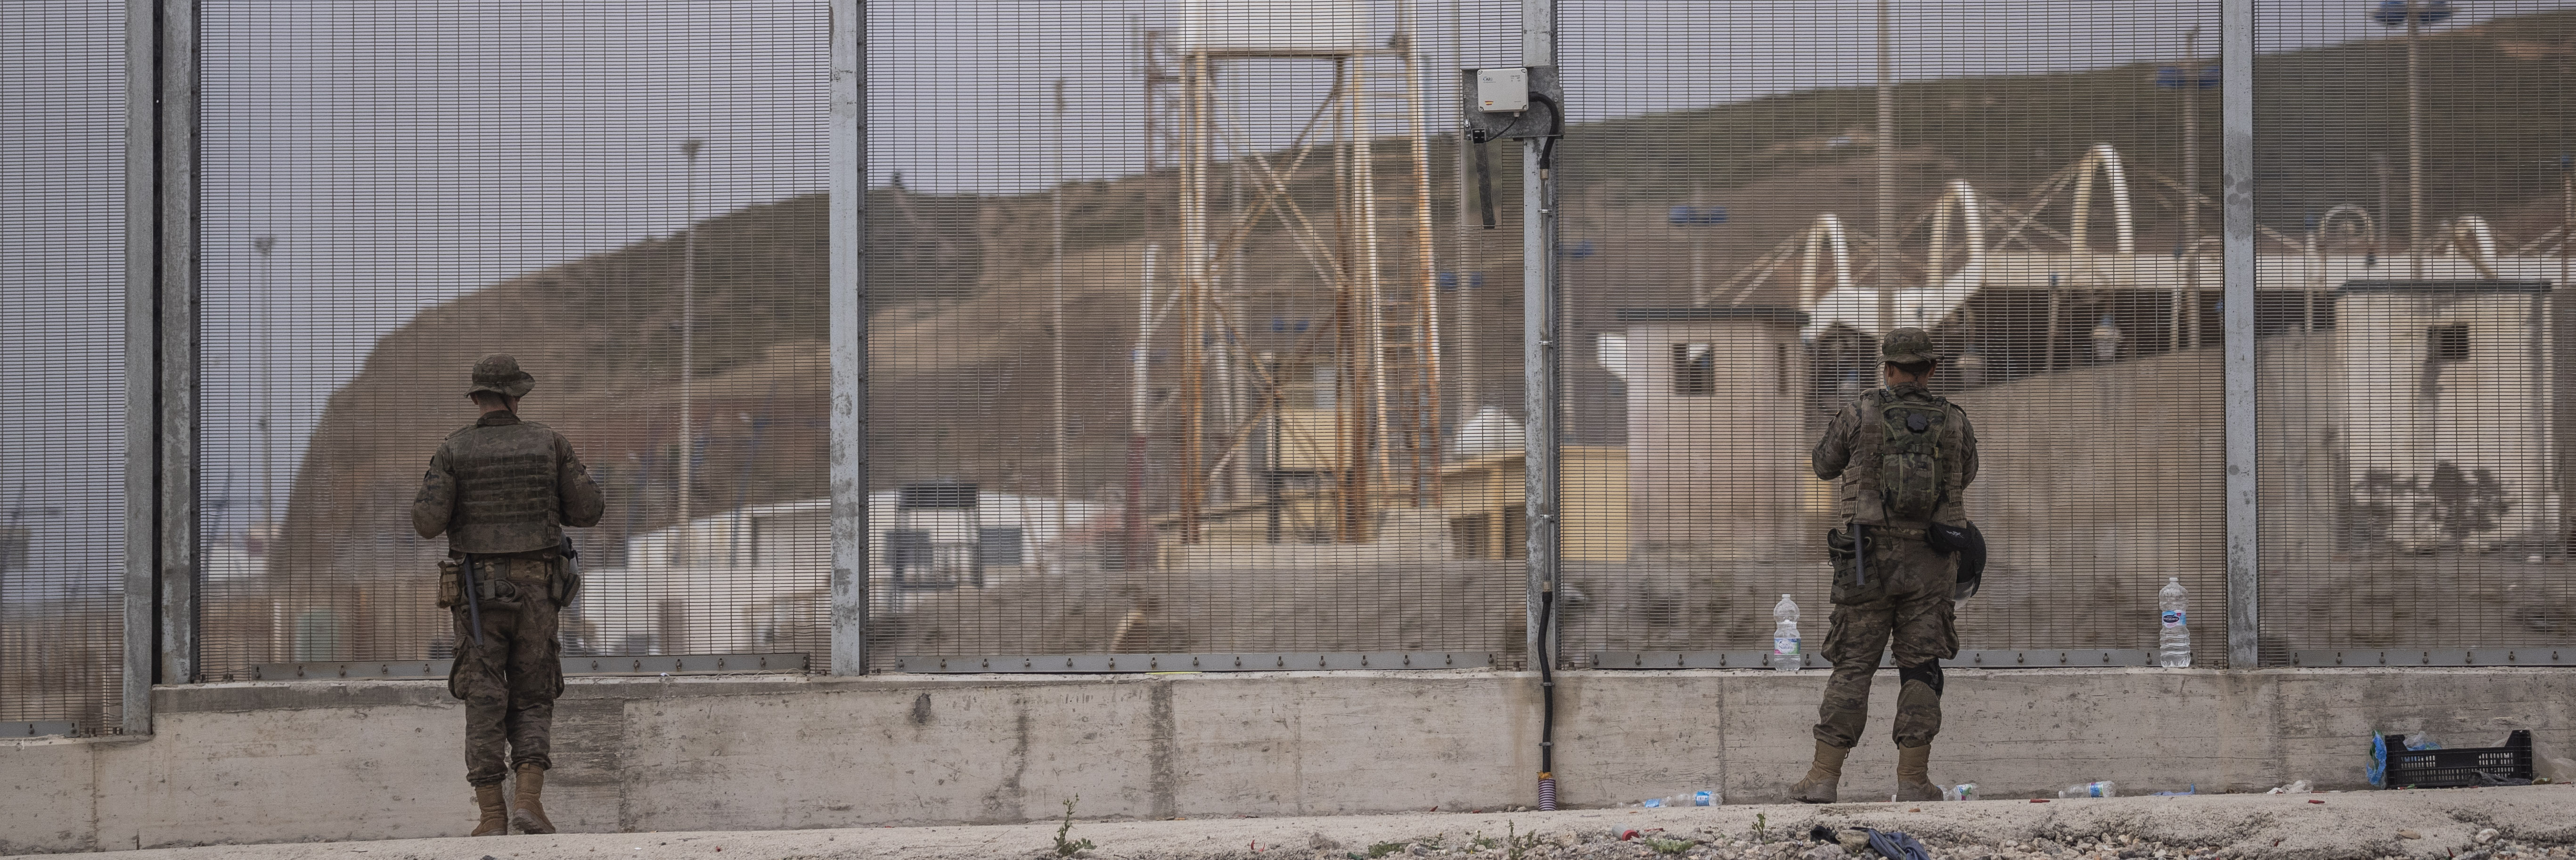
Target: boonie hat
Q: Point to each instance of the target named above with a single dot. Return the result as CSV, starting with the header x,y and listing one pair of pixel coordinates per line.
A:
x,y
499,373
1908,346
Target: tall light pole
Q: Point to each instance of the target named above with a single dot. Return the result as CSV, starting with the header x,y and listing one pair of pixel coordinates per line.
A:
x,y
267,308
1886,177
2414,142
2414,14
1055,329
2187,317
688,330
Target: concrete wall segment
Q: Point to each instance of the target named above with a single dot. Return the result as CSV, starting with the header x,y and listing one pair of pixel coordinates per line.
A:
x,y
265,762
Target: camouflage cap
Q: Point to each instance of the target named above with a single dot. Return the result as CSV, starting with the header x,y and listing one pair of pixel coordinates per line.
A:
x,y
1907,346
499,373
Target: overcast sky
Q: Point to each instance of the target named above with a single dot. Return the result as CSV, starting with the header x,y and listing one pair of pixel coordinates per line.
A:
x,y
402,154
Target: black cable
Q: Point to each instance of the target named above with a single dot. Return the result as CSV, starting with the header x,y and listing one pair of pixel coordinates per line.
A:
x,y
1546,681
1484,176
1555,129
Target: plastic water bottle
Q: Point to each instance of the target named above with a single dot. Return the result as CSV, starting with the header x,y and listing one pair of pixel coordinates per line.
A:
x,y
1962,791
2173,649
1784,638
2102,788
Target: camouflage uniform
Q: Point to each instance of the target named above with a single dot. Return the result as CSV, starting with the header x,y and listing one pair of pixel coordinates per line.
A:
x,y
1907,597
502,490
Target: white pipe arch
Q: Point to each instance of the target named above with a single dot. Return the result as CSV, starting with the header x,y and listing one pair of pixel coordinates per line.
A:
x,y
1825,235
1961,198
2106,161
2369,227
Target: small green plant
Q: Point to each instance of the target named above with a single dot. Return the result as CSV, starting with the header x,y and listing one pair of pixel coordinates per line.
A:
x,y
1670,846
1480,842
1761,829
1517,846
1063,846
1384,848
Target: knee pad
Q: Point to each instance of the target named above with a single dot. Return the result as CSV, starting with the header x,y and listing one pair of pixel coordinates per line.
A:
x,y
1930,675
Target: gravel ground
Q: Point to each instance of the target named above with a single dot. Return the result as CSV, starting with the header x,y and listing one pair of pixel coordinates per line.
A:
x,y
2457,824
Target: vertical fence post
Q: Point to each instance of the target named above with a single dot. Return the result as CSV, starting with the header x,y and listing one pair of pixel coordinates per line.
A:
x,y
176,339
848,283
1539,335
142,364
2236,119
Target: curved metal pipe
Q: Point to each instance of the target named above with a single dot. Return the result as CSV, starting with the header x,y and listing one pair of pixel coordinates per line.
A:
x,y
1826,234
1960,197
2106,161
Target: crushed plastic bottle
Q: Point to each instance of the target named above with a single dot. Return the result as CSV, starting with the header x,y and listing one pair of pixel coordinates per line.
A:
x,y
1784,638
2295,787
2099,788
1962,791
2173,644
1687,798
2422,741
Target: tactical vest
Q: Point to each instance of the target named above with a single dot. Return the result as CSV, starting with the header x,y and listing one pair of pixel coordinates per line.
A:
x,y
1902,453
506,498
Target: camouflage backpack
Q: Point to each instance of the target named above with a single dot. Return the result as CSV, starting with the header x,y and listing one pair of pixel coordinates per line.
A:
x,y
1910,475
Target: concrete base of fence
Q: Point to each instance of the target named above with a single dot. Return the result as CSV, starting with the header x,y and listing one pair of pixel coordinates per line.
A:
x,y
295,761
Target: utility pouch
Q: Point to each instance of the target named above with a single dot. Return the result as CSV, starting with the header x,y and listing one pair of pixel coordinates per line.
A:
x,y
493,588
564,585
1839,546
451,592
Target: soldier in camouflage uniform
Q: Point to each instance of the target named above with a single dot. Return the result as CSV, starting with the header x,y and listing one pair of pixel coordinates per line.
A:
x,y
502,490
1904,457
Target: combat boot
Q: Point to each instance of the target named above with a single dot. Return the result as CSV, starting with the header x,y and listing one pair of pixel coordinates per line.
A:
x,y
530,816
1824,778
496,811
1913,776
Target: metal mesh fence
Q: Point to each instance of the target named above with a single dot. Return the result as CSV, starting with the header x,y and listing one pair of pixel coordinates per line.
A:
x,y
62,318
625,196
1758,195
2411,314
1181,343
1188,335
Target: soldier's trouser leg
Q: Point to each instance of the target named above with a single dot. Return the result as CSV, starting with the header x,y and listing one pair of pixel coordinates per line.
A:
x,y
509,683
1857,638
1923,635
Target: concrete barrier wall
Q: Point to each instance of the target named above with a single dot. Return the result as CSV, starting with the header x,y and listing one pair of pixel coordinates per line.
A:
x,y
273,762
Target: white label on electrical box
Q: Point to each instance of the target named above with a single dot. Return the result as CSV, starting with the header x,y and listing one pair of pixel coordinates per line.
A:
x,y
1502,90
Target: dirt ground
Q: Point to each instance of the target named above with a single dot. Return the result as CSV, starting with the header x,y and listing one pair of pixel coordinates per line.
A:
x,y
2457,824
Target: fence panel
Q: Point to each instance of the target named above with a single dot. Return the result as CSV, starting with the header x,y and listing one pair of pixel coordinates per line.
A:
x,y
2414,208
628,197
62,342
1182,343
1753,195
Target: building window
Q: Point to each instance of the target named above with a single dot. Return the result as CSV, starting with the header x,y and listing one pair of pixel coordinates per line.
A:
x,y
2447,342
1694,370
997,546
908,552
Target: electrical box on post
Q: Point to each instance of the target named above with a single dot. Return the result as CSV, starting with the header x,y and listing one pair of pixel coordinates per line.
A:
x,y
1502,90
1513,102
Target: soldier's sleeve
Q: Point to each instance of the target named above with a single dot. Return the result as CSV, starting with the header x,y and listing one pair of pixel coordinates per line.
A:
x,y
1963,471
582,503
436,502
1834,451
